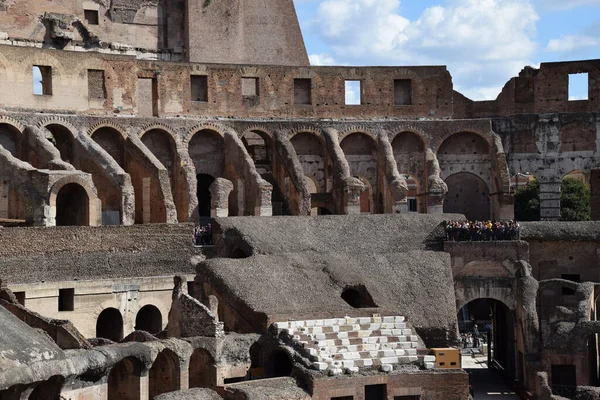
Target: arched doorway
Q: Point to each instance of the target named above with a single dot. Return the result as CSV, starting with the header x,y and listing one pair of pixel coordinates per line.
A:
x,y
149,319
202,370
48,390
467,194
258,146
124,380
206,151
279,364
62,139
361,152
110,325
495,333
203,193
112,142
310,151
72,206
10,139
164,374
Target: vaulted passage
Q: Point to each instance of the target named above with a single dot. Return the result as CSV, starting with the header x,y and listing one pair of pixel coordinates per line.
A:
x,y
279,364
72,206
361,152
124,380
149,319
469,195
202,369
62,139
112,142
203,193
110,325
10,139
164,374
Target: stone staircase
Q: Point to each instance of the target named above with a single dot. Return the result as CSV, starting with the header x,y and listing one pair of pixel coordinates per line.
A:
x,y
349,344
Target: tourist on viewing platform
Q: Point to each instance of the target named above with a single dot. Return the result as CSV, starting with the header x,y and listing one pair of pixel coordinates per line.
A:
x,y
476,231
202,235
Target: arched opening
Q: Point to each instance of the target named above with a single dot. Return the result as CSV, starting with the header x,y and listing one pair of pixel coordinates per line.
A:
x,y
278,201
467,194
409,153
312,189
311,154
164,376
203,193
10,139
124,380
279,364
412,196
72,206
258,146
62,139
239,253
361,153
48,390
487,329
202,370
358,297
149,319
110,325
112,142
206,151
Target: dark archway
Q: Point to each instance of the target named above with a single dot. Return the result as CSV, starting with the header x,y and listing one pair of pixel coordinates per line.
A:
x,y
62,138
149,319
164,375
203,193
72,206
467,194
124,380
279,364
112,142
110,325
496,333
48,390
10,139
202,370
358,297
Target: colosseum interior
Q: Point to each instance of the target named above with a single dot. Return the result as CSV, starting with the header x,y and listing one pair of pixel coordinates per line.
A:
x,y
326,273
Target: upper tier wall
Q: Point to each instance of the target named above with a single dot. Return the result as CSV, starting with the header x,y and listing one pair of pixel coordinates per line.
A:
x,y
145,88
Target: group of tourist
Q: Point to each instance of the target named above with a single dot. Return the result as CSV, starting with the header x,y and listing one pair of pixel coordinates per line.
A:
x,y
475,231
203,235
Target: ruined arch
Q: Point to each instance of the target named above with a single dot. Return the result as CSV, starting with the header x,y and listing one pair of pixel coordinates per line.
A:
x,y
109,325
206,150
161,143
74,202
279,364
112,141
204,195
62,138
310,150
10,138
467,194
164,375
360,150
259,146
202,369
366,197
124,380
48,390
149,319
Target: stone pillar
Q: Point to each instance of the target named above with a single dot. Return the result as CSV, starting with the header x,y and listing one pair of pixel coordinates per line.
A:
x,y
401,206
595,189
264,207
144,386
219,191
353,188
550,200
435,202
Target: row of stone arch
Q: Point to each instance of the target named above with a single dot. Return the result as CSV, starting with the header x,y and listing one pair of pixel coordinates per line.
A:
x,y
109,324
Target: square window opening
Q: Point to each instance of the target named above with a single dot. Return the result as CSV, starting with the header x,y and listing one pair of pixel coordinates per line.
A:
x,y
569,277
407,397
96,85
579,87
91,17
250,87
302,91
343,398
66,299
353,93
20,297
42,80
376,392
402,92
199,88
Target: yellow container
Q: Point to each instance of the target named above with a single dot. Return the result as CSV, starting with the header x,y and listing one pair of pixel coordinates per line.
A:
x,y
446,358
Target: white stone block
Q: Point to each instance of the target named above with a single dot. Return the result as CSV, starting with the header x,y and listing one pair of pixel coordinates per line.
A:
x,y
402,339
316,329
310,323
342,335
429,365
429,358
386,332
335,328
400,352
350,321
386,368
356,327
388,320
362,334
406,345
312,351
352,370
353,348
281,325
372,339
399,319
388,353
397,332
387,326
407,332
335,371
389,360
415,345
351,356
413,358
364,321
345,342
320,336
411,352
382,339
376,320
374,326
348,363
400,325
329,322
321,366
319,322
414,338
374,353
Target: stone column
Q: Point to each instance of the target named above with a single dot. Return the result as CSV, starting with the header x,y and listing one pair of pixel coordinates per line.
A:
x,y
435,202
219,192
550,200
353,188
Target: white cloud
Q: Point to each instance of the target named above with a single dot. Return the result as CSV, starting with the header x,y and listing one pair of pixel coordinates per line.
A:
x,y
571,43
321,59
556,5
483,42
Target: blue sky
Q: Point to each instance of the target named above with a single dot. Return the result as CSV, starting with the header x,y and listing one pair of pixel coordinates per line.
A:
x,y
483,42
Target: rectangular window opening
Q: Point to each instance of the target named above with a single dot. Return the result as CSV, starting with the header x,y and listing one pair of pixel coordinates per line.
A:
x,y
96,85
302,91
250,87
66,299
569,277
579,87
353,93
407,397
343,398
564,380
42,80
199,88
91,17
412,205
20,297
376,392
402,92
